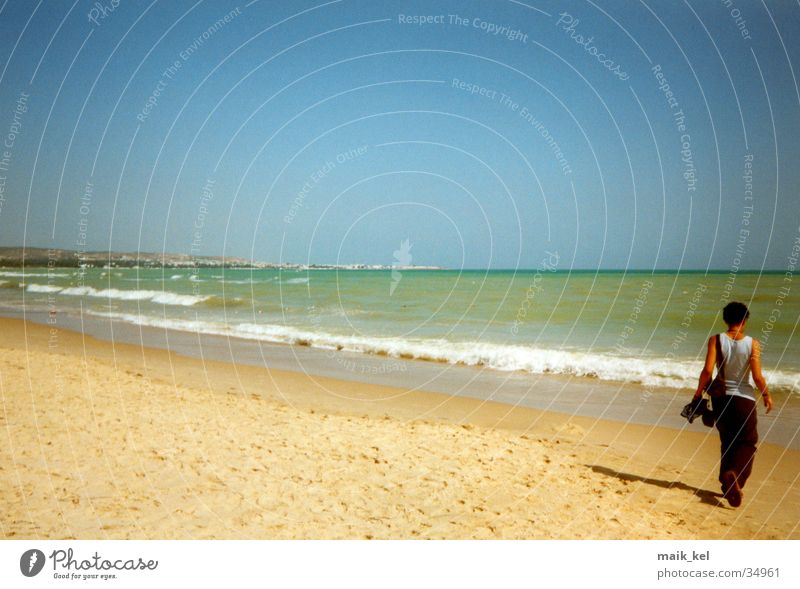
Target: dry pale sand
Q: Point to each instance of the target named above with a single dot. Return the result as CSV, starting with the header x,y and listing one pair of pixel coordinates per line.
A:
x,y
102,441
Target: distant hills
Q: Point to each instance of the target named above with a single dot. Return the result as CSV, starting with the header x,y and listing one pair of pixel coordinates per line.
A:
x,y
16,257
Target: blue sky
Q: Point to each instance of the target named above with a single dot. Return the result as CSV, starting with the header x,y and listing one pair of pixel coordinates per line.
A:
x,y
332,131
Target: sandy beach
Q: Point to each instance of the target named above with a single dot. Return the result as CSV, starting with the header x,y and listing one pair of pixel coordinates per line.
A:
x,y
119,441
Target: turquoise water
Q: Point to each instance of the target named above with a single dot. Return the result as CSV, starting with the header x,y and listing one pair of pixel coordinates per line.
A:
x,y
638,327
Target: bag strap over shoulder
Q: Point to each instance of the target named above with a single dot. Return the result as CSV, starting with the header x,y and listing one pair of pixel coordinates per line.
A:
x,y
720,359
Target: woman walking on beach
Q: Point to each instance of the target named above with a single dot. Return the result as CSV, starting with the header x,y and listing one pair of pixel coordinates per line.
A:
x,y
737,356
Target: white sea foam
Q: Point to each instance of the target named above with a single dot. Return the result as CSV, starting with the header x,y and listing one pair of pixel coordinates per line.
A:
x,y
252,281
43,288
651,372
30,274
155,296
295,281
176,324
171,298
192,277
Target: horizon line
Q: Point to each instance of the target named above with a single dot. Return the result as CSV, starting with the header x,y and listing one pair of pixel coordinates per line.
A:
x,y
422,267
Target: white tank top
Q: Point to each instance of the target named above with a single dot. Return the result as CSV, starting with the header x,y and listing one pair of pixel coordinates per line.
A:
x,y
736,359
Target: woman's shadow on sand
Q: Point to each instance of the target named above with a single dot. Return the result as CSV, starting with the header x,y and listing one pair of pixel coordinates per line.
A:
x,y
707,497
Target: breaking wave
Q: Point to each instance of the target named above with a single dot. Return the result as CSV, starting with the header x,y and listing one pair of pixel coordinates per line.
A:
x,y
651,372
33,274
155,296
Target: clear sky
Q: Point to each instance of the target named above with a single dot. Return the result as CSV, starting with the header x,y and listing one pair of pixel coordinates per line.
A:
x,y
486,133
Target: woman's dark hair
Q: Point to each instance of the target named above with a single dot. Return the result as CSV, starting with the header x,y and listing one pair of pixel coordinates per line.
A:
x,y
734,313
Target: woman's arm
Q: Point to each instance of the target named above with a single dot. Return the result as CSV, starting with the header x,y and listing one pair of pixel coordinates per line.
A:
x,y
707,373
758,377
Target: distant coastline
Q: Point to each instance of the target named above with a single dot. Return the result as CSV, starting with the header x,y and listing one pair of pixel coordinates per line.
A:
x,y
17,257
12,257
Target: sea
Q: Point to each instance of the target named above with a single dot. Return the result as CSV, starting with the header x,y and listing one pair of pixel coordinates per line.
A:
x,y
644,328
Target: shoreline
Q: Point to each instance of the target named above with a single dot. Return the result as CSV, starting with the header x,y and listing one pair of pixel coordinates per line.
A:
x,y
570,395
593,343
147,443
